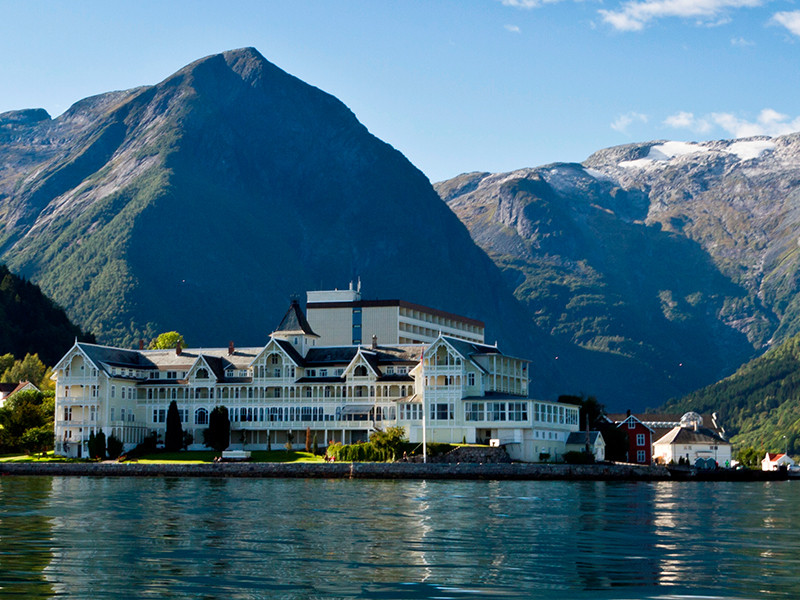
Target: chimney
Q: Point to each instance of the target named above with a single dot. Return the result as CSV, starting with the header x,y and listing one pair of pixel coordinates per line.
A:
x,y
178,349
374,342
141,344
629,413
231,348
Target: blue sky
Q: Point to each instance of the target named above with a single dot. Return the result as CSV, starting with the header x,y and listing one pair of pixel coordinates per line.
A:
x,y
457,86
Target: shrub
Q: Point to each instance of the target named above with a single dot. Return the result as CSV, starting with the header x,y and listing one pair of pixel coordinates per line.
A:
x,y
578,458
114,447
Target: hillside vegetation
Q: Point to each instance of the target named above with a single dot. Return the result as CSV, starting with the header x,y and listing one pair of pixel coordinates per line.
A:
x,y
758,404
31,323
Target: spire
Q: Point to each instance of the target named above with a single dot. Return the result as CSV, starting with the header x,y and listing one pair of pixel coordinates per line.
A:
x,y
294,322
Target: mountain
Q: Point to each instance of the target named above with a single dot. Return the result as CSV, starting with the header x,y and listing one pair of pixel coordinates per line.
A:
x,y
30,323
200,204
680,260
758,404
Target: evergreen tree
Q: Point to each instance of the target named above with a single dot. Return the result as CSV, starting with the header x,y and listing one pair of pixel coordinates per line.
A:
x,y
173,439
218,434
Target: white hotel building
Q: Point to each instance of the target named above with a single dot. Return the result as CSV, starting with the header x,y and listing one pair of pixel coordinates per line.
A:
x,y
433,372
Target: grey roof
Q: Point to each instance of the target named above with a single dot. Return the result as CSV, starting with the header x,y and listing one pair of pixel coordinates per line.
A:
x,y
290,350
684,435
382,355
496,396
294,322
467,349
579,438
118,357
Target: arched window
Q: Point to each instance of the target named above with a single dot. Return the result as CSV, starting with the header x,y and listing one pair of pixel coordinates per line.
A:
x,y
360,371
202,374
201,416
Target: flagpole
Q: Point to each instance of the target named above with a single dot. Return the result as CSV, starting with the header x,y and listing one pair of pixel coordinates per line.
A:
x,y
424,433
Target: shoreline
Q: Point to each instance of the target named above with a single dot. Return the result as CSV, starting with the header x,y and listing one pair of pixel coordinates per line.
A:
x,y
365,470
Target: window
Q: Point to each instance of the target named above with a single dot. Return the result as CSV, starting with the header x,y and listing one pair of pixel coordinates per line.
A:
x,y
323,372
201,416
640,456
123,392
172,374
154,375
311,372
474,411
640,439
360,371
631,424
121,414
441,411
572,416
517,411
112,413
159,415
202,374
470,378
356,326
113,391
495,411
390,370
402,370
68,413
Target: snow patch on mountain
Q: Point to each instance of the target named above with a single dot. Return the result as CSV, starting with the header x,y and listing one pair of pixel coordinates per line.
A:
x,y
664,152
750,149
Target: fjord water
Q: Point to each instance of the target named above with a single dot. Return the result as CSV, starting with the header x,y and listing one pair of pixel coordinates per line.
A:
x,y
280,538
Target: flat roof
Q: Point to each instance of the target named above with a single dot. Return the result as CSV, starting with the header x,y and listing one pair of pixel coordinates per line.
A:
x,y
398,303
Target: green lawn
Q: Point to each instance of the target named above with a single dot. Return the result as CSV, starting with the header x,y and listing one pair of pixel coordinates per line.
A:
x,y
207,456
48,457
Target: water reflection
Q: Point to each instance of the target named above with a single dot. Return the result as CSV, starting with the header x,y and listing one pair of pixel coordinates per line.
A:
x,y
25,537
273,538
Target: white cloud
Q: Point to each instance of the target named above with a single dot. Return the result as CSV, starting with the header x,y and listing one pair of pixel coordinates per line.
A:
x,y
622,122
633,16
687,120
769,122
527,3
790,20
741,42
512,28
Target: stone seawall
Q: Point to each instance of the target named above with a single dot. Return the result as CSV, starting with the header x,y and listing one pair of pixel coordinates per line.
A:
x,y
346,470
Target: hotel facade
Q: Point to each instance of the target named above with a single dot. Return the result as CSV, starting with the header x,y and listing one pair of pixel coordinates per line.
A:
x,y
446,381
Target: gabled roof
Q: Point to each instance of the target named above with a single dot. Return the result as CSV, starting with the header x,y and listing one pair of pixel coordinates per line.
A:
x,y
633,418
118,357
9,389
684,435
293,354
579,437
774,457
294,322
467,349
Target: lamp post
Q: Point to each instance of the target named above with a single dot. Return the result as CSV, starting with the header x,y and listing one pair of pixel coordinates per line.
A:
x,y
785,445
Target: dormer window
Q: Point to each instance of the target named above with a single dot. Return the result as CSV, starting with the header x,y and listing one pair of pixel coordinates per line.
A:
x,y
202,374
154,374
402,370
311,372
323,372
390,370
